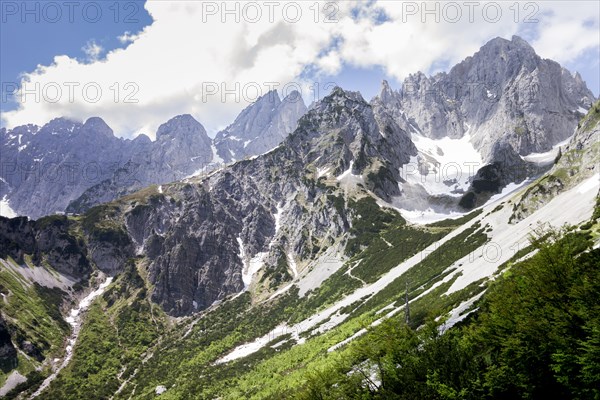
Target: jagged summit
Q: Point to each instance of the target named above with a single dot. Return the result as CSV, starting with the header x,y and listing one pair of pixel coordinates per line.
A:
x,y
182,124
98,126
60,125
261,126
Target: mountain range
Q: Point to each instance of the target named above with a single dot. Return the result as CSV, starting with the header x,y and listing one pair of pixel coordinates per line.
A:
x,y
66,166
215,267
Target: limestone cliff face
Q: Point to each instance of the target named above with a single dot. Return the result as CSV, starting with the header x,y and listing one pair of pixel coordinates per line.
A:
x,y
48,240
503,97
260,127
508,100
200,237
182,147
503,93
43,169
203,237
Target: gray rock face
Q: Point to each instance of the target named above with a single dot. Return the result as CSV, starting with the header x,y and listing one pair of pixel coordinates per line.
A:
x,y
47,239
508,100
70,166
503,93
199,237
193,233
182,147
260,127
427,109
45,168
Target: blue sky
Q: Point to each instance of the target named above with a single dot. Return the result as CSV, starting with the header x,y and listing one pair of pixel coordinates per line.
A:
x,y
26,42
184,47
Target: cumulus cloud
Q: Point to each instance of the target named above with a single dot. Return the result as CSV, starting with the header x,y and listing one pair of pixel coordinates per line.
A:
x,y
92,50
566,32
127,37
195,58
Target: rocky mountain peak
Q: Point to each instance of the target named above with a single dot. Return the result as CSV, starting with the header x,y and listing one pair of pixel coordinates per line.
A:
x,y
271,97
60,125
386,94
336,103
515,44
293,97
181,125
261,126
98,126
142,139
517,40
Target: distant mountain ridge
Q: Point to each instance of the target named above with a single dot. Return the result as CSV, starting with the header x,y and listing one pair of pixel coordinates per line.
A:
x,y
69,166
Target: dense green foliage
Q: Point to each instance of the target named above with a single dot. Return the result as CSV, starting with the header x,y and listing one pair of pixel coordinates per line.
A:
x,y
32,312
118,329
368,220
459,221
591,119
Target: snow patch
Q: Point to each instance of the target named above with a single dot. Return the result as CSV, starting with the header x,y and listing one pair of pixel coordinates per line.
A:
x,y
216,159
293,264
458,314
277,217
589,184
347,172
507,190
160,390
250,268
252,347
74,319
322,172
443,166
427,216
5,209
507,239
548,157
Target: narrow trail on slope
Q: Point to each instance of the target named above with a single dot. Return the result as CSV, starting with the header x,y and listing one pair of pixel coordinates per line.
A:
x,y
349,273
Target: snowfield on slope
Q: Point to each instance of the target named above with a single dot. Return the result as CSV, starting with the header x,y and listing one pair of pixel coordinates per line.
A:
x,y
570,207
446,171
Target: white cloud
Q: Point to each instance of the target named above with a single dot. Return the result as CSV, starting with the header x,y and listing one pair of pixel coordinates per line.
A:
x,y
92,50
567,31
169,65
127,37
